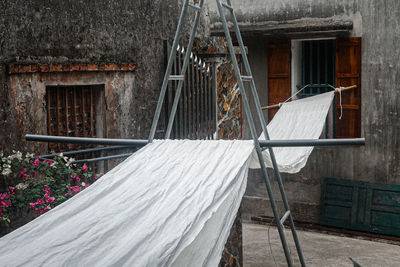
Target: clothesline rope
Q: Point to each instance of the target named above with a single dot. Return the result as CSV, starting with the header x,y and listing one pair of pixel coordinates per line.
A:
x,y
337,90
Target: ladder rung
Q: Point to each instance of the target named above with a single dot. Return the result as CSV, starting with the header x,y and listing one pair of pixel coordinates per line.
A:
x,y
195,7
247,78
227,7
176,77
285,216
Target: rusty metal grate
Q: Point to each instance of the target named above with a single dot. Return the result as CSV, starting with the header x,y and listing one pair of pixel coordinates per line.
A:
x,y
71,111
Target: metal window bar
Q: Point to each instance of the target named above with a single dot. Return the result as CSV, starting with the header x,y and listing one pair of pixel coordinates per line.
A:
x,y
194,113
71,112
318,72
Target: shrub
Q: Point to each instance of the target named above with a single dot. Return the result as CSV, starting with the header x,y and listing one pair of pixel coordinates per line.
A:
x,y
41,184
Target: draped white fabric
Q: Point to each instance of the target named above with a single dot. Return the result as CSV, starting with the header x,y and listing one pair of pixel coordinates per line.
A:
x,y
172,203
299,119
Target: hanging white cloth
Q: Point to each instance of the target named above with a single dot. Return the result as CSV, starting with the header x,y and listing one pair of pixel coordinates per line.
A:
x,y
299,119
172,203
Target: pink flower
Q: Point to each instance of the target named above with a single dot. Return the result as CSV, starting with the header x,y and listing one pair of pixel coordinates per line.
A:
x,y
47,190
32,204
67,194
78,179
84,167
40,202
49,199
73,176
86,185
4,196
36,162
75,189
11,188
95,177
6,203
23,174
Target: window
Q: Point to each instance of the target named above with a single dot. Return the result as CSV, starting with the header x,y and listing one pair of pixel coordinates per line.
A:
x,y
294,64
74,111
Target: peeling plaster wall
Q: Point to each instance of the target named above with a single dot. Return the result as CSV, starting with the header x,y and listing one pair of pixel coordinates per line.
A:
x,y
77,31
378,23
29,92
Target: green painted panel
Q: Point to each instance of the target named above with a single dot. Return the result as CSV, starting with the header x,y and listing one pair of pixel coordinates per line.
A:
x,y
385,219
360,206
338,213
385,197
345,192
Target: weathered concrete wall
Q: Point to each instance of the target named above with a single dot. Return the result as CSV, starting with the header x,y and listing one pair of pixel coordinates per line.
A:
x,y
29,90
378,23
76,31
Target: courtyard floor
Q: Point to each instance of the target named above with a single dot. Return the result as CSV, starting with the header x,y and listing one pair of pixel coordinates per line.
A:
x,y
319,249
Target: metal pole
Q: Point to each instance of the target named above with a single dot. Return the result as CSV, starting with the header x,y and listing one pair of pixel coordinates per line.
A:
x,y
83,151
129,143
253,130
168,71
87,140
183,70
103,158
312,142
273,159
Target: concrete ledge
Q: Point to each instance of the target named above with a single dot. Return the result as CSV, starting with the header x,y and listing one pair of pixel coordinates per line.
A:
x,y
67,67
297,27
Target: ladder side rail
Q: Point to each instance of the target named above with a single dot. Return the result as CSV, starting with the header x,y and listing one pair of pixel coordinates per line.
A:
x,y
266,135
183,70
253,132
168,71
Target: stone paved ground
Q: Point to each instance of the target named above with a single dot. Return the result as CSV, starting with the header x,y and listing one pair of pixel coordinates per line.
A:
x,y
318,249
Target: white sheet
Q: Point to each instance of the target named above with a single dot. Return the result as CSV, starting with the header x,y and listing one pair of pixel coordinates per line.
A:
x,y
170,204
299,119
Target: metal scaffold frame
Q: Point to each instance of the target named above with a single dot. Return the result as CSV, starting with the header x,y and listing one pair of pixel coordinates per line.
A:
x,y
197,7
240,79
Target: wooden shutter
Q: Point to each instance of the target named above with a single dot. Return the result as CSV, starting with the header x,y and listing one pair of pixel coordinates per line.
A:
x,y
348,72
278,73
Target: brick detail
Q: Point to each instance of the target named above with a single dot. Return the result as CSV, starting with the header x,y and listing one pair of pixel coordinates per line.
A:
x,y
68,67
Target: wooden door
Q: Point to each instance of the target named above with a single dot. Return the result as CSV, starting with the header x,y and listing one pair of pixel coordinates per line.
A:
x,y
278,73
348,72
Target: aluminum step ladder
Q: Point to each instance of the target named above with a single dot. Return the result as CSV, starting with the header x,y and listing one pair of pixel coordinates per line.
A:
x,y
197,6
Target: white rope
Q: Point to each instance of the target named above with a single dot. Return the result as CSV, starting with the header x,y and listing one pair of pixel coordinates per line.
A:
x,y
281,103
340,101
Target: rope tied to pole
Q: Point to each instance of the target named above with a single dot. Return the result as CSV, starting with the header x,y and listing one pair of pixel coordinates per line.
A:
x,y
337,90
340,100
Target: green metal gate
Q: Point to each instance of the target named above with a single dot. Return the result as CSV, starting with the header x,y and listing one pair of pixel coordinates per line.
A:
x,y
361,206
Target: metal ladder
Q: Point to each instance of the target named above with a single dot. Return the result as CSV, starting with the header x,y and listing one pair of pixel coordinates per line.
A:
x,y
197,6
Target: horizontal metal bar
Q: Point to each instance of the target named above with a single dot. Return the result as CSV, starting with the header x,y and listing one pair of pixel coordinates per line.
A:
x,y
313,142
247,78
83,151
195,7
86,140
285,216
102,158
176,77
138,142
227,7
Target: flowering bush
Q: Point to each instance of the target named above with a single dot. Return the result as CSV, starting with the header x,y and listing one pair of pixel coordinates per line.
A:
x,y
41,183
